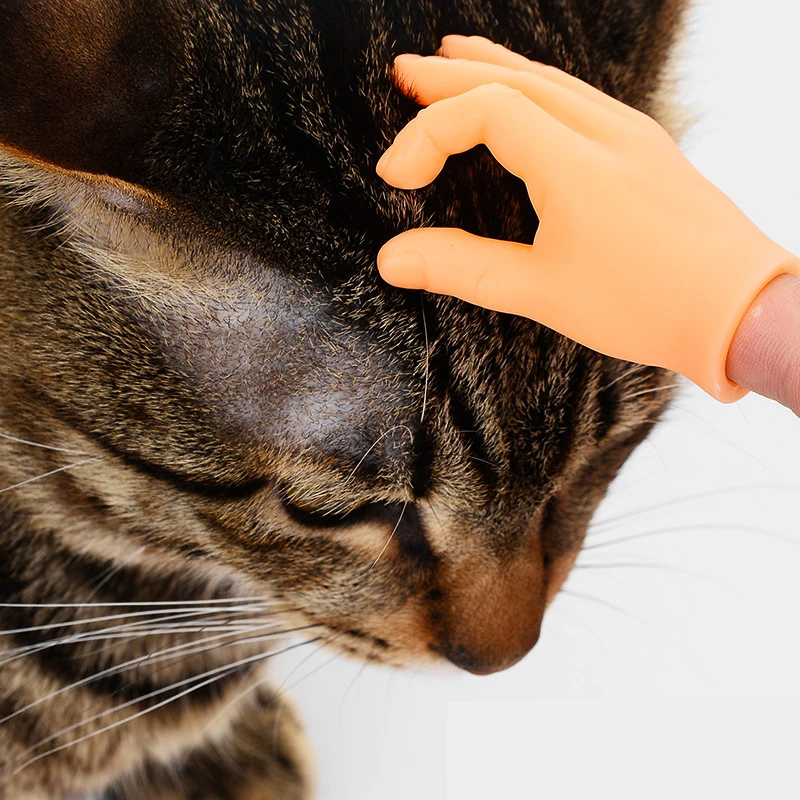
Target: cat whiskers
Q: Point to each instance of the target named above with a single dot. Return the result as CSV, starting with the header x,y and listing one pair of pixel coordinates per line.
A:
x,y
278,690
375,444
601,602
601,524
43,446
427,360
163,624
653,390
391,536
636,368
52,472
205,678
115,569
175,653
691,528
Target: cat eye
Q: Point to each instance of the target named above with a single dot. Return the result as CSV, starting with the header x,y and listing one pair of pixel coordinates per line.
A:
x,y
320,517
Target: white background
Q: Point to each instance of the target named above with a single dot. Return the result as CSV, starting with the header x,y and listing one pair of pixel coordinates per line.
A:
x,y
682,678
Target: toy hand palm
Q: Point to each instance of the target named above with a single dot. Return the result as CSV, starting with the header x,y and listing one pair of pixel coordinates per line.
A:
x,y
637,255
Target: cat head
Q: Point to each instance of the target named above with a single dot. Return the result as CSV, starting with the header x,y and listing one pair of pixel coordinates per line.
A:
x,y
190,224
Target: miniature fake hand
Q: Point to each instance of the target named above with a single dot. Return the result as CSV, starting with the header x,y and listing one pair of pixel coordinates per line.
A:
x,y
637,255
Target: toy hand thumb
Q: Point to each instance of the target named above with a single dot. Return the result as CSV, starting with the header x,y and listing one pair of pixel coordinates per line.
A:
x,y
487,272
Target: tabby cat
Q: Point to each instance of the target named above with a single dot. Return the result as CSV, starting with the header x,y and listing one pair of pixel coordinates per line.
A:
x,y
219,425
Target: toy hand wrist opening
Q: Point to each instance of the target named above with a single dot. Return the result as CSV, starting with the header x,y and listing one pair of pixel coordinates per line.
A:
x,y
637,255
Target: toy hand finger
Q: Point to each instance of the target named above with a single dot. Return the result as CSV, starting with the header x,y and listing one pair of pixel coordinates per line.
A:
x,y
431,79
480,116
487,272
477,48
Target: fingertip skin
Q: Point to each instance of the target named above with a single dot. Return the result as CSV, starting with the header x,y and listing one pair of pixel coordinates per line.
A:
x,y
405,59
413,160
400,266
765,353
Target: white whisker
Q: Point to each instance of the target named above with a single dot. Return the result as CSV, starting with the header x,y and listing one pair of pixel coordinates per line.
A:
x,y
115,604
43,446
599,601
217,674
374,445
155,658
391,536
604,523
51,472
626,374
260,682
108,574
651,390
720,526
112,617
427,360
127,632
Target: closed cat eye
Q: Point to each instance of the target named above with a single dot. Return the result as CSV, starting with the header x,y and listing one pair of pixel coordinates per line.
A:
x,y
320,517
220,427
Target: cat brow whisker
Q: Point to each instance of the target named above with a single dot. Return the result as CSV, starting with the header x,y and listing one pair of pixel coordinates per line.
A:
x,y
427,360
719,437
356,585
391,536
438,521
375,444
217,674
43,446
52,472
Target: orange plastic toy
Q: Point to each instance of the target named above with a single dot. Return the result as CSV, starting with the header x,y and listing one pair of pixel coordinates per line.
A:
x,y
637,255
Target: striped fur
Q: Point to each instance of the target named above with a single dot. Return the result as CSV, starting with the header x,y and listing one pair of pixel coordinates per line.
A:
x,y
218,426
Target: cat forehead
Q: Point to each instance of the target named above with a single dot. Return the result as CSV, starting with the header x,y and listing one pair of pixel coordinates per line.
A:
x,y
280,360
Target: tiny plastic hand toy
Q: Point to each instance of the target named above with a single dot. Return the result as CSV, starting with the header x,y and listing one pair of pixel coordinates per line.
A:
x,y
637,255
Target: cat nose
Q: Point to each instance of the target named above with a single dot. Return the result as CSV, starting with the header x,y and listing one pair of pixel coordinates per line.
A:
x,y
490,614
486,663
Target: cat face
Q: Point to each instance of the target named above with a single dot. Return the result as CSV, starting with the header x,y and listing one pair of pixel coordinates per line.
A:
x,y
195,304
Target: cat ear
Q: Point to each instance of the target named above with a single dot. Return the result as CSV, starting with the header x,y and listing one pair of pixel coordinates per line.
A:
x,y
84,83
71,194
100,218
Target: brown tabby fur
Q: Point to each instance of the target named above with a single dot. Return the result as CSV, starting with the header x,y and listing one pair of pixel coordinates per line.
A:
x,y
212,395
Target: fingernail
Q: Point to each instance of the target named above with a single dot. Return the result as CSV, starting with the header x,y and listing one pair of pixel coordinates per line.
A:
x,y
449,39
406,58
404,268
384,164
